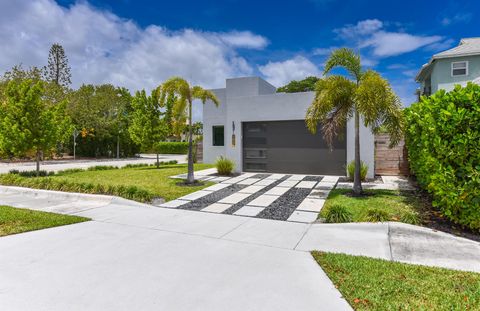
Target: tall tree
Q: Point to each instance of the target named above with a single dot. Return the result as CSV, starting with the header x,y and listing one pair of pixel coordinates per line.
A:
x,y
57,69
27,122
305,85
366,94
101,113
147,125
186,94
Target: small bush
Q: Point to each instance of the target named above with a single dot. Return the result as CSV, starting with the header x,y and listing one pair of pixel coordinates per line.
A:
x,y
224,166
102,168
70,171
172,147
375,214
338,214
351,170
33,173
410,218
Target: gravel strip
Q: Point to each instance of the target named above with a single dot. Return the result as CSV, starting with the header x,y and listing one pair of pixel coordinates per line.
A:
x,y
260,176
244,202
284,206
312,178
214,197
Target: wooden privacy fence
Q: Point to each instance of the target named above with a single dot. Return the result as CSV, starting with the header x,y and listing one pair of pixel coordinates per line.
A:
x,y
390,161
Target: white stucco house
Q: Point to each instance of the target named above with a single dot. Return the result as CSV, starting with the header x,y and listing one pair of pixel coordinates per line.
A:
x,y
264,131
458,65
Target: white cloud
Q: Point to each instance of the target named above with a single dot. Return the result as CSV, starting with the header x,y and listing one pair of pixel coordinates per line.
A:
x,y
457,18
297,68
395,43
244,39
323,51
371,33
104,48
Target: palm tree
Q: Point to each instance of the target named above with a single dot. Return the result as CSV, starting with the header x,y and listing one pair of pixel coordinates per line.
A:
x,y
185,94
366,94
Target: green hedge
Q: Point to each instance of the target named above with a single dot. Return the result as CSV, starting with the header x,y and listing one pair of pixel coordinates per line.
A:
x,y
443,141
172,147
48,183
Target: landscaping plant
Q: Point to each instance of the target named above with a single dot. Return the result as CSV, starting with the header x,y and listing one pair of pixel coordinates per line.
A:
x,y
351,170
224,166
377,214
185,95
338,214
366,97
442,138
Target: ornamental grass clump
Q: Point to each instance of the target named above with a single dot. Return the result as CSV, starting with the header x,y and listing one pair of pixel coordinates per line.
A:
x,y
375,214
338,214
351,170
224,166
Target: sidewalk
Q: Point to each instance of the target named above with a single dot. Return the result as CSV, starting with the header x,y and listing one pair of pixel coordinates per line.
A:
x,y
390,241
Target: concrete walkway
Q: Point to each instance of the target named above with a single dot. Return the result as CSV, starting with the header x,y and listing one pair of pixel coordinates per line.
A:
x,y
135,256
59,165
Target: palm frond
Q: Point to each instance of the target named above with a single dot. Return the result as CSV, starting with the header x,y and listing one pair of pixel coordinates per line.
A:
x,y
332,106
347,59
204,95
379,106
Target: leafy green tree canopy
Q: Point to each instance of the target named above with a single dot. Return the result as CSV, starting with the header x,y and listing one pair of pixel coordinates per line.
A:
x,y
27,122
305,85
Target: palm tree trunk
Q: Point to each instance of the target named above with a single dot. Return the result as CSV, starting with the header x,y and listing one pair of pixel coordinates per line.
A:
x,y
357,183
190,177
38,163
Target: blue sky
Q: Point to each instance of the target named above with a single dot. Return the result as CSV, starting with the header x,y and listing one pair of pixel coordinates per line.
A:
x,y
138,44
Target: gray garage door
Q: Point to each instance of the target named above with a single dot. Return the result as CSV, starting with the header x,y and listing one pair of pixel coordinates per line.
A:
x,y
288,147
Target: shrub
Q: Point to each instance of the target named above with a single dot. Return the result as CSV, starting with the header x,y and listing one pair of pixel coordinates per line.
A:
x,y
70,171
172,147
33,173
351,170
337,214
132,193
102,168
410,218
224,166
375,214
442,138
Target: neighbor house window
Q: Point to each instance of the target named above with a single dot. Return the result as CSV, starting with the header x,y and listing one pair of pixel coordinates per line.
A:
x,y
459,69
218,136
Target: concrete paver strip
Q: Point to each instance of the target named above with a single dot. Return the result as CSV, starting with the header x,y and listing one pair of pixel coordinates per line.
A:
x,y
216,208
311,205
306,184
264,200
251,189
174,203
235,198
195,195
248,181
297,177
216,187
248,210
265,182
302,216
288,183
277,190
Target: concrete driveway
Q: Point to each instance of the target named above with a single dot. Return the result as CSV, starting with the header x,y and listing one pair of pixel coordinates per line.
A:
x,y
159,259
134,256
59,165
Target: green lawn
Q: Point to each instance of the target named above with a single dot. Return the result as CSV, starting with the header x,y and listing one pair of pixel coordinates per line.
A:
x,y
374,284
17,220
391,205
152,179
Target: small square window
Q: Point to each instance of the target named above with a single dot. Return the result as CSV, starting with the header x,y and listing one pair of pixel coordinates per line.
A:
x,y
218,136
459,69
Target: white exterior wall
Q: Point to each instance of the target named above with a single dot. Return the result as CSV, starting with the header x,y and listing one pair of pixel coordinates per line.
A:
x,y
267,107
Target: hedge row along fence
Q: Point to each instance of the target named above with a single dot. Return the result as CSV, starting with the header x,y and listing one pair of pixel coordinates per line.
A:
x,y
443,141
172,147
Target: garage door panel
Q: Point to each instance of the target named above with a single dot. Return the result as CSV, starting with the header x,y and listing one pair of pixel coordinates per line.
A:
x,y
288,147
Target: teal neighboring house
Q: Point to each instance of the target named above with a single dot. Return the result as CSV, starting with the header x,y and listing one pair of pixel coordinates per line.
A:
x,y
458,65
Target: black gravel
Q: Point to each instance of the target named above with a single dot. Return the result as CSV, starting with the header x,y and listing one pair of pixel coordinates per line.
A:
x,y
214,197
284,206
260,176
312,178
244,202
